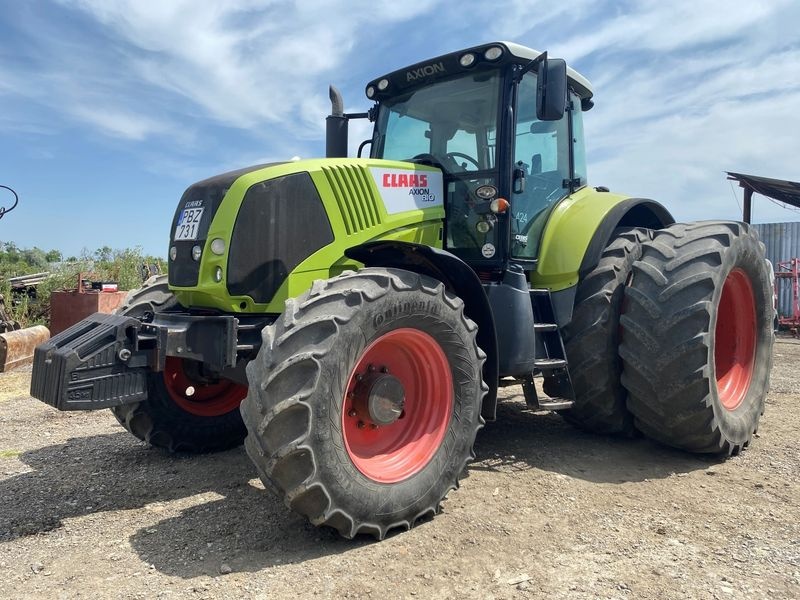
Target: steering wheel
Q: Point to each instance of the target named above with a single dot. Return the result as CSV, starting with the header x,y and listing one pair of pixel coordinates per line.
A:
x,y
435,161
429,159
454,155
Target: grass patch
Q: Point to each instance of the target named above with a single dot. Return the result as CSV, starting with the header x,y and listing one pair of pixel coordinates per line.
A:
x,y
10,453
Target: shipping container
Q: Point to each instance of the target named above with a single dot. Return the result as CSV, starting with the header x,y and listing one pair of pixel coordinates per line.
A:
x,y
782,241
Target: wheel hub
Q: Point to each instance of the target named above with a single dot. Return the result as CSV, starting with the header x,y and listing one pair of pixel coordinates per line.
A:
x,y
735,340
398,405
378,397
198,396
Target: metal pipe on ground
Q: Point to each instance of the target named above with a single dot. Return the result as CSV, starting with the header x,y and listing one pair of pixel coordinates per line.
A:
x,y
16,347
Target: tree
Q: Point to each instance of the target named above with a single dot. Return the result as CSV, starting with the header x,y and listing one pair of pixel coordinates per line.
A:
x,y
35,258
104,254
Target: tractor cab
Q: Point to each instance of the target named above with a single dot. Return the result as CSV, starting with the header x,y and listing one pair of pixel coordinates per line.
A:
x,y
503,123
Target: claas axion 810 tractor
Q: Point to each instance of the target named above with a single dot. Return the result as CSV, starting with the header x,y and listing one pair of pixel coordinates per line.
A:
x,y
351,319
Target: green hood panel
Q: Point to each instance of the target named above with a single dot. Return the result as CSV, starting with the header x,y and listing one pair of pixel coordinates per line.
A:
x,y
364,200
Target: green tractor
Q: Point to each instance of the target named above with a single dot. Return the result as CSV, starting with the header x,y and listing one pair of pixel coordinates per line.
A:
x,y
351,319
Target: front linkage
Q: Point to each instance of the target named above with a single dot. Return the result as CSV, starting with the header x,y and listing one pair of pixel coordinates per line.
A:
x,y
104,361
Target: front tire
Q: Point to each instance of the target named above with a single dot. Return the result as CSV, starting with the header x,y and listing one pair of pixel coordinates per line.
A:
x,y
365,400
697,337
207,420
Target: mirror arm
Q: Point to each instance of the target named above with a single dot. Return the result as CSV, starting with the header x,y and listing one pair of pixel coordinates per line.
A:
x,y
530,66
371,114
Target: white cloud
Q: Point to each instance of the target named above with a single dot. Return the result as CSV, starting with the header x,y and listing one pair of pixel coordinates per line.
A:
x,y
670,26
119,123
243,63
686,91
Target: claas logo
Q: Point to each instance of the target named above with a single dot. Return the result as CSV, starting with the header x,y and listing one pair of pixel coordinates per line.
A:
x,y
404,180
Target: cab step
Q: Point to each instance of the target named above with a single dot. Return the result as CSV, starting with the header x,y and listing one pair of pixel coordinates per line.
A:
x,y
533,401
551,358
555,404
548,364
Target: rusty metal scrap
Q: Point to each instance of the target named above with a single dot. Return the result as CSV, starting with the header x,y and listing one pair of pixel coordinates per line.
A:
x,y
16,347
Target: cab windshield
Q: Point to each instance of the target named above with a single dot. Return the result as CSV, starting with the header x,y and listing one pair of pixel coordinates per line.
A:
x,y
452,125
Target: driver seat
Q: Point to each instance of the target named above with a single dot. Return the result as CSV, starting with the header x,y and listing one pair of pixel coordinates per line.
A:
x,y
536,164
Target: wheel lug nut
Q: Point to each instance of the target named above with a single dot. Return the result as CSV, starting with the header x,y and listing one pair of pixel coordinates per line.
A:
x,y
384,369
371,368
359,377
361,424
373,426
352,412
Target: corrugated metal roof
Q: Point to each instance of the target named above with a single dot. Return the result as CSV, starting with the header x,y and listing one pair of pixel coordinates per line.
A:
x,y
782,241
778,189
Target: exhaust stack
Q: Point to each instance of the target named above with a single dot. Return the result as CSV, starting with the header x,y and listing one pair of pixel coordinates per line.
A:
x,y
336,127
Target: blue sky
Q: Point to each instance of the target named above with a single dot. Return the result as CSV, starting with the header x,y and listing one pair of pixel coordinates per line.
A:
x,y
109,109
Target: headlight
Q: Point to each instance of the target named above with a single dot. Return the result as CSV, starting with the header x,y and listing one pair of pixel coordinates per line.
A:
x,y
370,92
467,60
173,253
218,246
383,84
493,53
483,226
218,274
486,192
197,252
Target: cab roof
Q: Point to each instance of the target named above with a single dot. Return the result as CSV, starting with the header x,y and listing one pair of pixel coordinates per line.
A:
x,y
448,64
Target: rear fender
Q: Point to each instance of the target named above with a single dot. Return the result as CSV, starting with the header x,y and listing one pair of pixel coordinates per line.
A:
x,y
633,212
577,232
459,279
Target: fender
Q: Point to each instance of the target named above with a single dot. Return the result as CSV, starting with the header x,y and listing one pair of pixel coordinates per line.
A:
x,y
459,279
633,212
576,234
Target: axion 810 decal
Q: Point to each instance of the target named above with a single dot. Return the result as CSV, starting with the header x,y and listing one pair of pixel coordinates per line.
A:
x,y
403,190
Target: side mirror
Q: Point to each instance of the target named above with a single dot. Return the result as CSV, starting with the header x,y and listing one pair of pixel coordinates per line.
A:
x,y
551,89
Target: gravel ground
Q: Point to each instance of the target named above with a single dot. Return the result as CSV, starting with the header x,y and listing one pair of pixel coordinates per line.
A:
x,y
87,511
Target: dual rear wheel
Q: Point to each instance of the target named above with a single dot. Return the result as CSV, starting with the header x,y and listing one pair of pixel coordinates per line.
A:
x,y
697,337
672,336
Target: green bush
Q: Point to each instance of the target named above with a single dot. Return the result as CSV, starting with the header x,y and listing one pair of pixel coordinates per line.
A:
x,y
123,267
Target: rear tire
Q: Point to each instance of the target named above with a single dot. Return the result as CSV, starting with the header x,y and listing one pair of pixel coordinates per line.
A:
x,y
308,434
697,337
591,339
207,421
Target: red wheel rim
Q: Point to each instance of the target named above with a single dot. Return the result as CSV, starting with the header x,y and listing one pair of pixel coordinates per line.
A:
x,y
735,339
207,400
394,452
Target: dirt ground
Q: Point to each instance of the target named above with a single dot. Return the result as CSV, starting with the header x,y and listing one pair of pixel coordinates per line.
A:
x,y
87,511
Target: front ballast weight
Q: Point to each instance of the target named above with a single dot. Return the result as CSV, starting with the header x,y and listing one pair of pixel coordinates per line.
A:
x,y
104,360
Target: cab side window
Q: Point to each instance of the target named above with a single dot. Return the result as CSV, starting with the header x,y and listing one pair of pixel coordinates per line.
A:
x,y
541,154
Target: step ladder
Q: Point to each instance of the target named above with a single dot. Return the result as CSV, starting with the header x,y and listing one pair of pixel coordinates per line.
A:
x,y
551,359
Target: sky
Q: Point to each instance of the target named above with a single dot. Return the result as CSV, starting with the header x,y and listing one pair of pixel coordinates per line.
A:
x,y
109,109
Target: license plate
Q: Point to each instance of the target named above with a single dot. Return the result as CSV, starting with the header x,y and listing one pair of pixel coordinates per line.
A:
x,y
188,224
